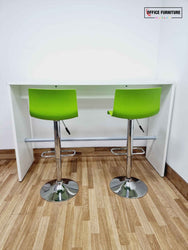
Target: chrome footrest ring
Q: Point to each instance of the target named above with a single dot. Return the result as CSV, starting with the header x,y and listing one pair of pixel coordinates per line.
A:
x,y
118,149
68,150
142,151
47,154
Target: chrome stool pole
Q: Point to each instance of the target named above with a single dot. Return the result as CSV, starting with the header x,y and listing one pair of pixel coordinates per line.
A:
x,y
59,189
127,186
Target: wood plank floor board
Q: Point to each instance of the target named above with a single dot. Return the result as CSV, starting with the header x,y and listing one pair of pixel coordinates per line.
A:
x,y
146,225
147,210
156,213
95,242
120,221
171,208
182,206
133,242
181,228
7,230
96,219
77,227
131,215
58,233
68,232
142,238
90,174
85,204
104,232
154,244
86,241
170,230
41,233
161,236
53,217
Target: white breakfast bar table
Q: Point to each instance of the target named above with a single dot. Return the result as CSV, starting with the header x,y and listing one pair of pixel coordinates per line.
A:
x,y
93,100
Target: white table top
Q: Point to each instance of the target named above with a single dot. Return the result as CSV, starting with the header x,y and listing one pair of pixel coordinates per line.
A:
x,y
99,83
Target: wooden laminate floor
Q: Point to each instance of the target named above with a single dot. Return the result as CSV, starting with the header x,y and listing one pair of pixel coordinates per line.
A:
x,y
96,218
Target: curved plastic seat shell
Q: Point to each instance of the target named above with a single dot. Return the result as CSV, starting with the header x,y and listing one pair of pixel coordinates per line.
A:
x,y
136,103
53,104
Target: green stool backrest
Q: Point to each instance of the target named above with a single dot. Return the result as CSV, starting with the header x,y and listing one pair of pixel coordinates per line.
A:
x,y
53,104
136,103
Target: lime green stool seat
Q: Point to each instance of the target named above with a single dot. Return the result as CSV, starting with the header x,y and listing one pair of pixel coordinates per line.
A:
x,y
136,103
133,104
55,105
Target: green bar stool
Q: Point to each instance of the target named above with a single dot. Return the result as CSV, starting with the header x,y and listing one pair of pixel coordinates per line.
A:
x,y
133,104
55,105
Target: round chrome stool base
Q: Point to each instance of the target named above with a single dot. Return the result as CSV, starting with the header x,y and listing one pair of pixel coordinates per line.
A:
x,y
59,190
128,187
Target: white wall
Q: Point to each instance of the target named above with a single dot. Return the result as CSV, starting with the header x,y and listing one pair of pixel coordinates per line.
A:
x,y
59,41
73,40
78,40
173,65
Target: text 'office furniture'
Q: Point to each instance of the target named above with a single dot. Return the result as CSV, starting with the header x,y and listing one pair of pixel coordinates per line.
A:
x,y
133,104
55,105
